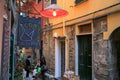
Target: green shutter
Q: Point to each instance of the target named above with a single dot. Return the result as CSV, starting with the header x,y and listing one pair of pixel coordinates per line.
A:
x,y
11,67
78,1
39,1
53,1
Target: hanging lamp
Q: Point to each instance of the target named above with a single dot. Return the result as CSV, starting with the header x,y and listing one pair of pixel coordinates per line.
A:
x,y
54,11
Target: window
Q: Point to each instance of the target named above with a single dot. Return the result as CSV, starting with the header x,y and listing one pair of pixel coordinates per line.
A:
x,y
53,1
86,28
39,1
78,1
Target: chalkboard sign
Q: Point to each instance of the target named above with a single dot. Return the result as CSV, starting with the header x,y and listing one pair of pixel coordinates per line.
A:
x,y
29,34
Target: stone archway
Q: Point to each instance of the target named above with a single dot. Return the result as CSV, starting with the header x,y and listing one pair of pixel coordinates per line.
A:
x,y
114,55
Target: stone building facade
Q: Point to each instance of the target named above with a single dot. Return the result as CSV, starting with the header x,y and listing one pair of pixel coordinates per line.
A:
x,y
90,40
49,50
100,49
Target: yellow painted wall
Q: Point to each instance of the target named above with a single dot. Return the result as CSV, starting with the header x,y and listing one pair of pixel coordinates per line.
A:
x,y
113,23
82,8
58,32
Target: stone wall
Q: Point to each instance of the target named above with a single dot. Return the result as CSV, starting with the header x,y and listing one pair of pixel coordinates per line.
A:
x,y
71,35
100,49
4,39
49,50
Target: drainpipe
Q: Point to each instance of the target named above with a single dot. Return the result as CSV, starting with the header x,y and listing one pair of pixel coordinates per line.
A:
x,y
66,41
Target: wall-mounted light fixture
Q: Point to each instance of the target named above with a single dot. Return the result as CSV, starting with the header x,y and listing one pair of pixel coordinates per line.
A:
x,y
55,35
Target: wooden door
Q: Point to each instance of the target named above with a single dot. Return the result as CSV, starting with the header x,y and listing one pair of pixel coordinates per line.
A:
x,y
85,57
62,58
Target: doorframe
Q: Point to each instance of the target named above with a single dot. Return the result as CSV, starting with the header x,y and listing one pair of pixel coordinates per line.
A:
x,y
76,45
76,55
57,58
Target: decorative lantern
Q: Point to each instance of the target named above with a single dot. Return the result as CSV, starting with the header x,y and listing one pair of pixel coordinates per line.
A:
x,y
54,11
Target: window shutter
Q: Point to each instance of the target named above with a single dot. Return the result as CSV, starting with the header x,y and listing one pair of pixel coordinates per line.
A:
x,y
78,1
53,1
39,1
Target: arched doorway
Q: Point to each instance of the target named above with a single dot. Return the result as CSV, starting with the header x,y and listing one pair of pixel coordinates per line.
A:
x,y
114,55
